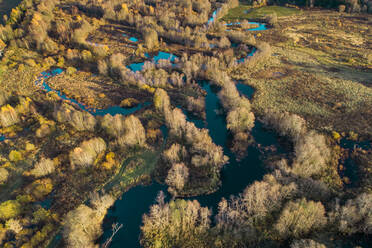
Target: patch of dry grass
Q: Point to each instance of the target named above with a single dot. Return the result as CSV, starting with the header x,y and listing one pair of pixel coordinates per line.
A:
x,y
318,70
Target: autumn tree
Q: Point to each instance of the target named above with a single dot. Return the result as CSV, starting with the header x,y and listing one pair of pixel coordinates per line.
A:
x,y
78,119
307,243
299,218
151,38
177,177
42,168
83,225
87,152
8,116
178,223
355,216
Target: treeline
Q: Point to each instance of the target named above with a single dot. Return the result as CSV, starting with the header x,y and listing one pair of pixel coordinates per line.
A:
x,y
192,164
239,117
312,156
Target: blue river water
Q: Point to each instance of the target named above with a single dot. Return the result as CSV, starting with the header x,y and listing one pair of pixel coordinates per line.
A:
x,y
161,55
132,39
260,26
235,176
114,110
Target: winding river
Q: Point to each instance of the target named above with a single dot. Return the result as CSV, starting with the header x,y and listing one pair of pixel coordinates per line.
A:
x,y
235,176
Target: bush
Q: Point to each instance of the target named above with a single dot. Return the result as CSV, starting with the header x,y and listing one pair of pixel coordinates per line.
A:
x,y
3,97
8,116
355,216
15,156
4,174
341,8
87,152
82,227
44,167
10,209
299,218
272,19
41,188
151,38
178,223
79,120
177,177
307,243
71,70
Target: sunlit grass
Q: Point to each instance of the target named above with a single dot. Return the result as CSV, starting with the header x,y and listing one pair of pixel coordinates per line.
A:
x,y
247,12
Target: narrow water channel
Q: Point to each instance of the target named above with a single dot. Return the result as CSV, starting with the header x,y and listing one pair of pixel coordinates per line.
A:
x,y
235,176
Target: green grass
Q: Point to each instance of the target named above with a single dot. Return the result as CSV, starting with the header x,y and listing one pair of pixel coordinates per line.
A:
x,y
247,12
134,169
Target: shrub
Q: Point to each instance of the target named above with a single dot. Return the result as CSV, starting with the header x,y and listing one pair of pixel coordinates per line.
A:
x,y
44,167
4,96
79,120
341,8
272,19
4,174
151,38
87,152
82,227
356,216
40,188
135,133
177,177
10,209
8,116
15,156
14,225
299,218
306,243
178,223
71,70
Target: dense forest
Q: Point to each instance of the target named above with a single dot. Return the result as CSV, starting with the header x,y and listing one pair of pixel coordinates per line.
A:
x,y
98,97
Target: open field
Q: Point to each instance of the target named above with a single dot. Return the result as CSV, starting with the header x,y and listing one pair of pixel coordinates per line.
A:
x,y
320,68
247,12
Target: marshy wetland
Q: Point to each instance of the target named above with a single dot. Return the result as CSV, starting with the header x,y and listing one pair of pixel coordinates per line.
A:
x,y
191,123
